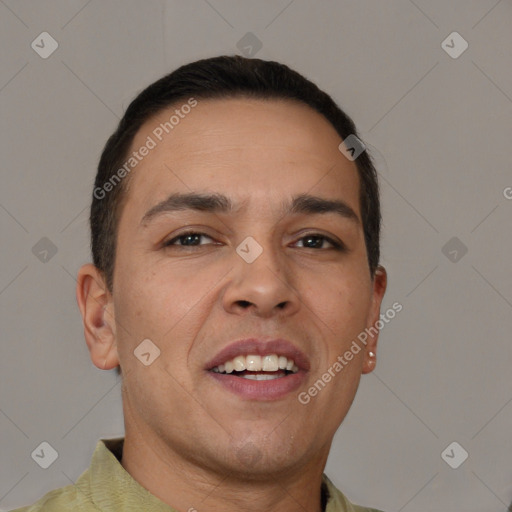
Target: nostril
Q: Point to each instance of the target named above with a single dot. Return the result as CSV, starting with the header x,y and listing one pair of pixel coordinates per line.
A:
x,y
244,303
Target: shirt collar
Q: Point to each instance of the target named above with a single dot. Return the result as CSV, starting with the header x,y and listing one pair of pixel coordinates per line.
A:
x,y
110,487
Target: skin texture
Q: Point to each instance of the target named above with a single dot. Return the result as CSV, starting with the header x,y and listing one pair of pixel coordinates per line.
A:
x,y
188,440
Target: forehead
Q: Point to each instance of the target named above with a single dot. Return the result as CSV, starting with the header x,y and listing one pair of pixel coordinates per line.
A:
x,y
255,146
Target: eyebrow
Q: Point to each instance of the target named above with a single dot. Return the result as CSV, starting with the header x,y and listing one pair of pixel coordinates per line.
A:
x,y
219,203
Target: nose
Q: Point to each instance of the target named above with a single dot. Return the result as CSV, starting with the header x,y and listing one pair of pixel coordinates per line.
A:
x,y
264,287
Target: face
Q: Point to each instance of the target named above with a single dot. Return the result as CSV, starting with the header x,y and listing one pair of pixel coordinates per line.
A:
x,y
272,269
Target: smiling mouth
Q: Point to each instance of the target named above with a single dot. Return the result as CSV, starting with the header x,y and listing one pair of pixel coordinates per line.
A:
x,y
258,375
256,367
261,373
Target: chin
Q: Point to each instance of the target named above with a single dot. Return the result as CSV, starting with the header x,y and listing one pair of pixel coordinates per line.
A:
x,y
255,462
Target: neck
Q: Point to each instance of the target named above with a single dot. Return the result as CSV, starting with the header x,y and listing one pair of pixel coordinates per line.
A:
x,y
186,486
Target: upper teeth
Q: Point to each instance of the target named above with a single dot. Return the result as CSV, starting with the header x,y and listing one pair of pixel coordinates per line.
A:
x,y
255,363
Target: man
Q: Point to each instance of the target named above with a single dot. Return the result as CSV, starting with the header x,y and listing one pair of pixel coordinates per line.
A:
x,y
235,239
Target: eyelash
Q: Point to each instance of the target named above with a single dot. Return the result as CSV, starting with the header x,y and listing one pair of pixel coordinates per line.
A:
x,y
335,245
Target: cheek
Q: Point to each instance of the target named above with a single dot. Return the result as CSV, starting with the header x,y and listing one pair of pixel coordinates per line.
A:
x,y
149,308
165,304
171,294
148,293
344,297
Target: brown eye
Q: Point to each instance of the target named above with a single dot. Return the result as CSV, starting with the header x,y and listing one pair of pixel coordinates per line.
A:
x,y
190,239
316,241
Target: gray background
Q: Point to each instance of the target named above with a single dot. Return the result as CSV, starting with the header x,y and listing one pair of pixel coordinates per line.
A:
x,y
440,130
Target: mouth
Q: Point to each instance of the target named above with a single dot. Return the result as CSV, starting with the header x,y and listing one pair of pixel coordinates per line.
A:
x,y
256,367
253,369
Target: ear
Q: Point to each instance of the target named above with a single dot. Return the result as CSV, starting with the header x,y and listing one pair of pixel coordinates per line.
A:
x,y
97,309
379,288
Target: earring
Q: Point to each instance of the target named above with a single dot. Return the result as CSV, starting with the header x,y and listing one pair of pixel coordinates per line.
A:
x,y
371,354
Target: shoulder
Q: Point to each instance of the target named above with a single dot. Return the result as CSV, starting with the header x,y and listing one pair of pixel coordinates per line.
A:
x,y
338,502
65,498
78,496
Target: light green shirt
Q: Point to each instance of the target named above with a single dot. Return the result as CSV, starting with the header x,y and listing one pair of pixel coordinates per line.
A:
x,y
107,487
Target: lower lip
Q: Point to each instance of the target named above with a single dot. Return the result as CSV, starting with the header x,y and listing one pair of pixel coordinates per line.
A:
x,y
260,389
